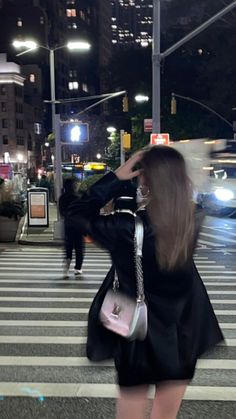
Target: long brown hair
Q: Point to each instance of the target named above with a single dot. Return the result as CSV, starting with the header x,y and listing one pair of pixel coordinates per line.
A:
x,y
170,207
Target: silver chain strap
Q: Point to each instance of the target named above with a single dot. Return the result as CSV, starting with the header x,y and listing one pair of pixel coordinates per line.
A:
x,y
138,246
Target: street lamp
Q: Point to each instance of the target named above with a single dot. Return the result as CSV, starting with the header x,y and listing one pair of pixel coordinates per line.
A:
x,y
31,45
99,156
19,158
141,98
111,130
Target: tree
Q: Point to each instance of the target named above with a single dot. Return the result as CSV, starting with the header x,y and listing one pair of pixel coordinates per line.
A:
x,y
112,156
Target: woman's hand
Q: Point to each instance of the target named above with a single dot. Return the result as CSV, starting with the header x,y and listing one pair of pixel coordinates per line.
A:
x,y
126,172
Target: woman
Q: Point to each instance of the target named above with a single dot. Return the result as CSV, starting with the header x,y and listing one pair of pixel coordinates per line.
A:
x,y
181,321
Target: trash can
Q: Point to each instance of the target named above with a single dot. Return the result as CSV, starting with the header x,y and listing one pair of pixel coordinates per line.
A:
x,y
37,207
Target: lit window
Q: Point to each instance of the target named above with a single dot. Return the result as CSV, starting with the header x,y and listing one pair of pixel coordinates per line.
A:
x,y
73,85
71,12
37,128
19,22
32,78
85,87
82,15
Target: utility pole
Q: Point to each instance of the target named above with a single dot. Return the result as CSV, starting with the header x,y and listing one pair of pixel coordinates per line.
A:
x,y
158,57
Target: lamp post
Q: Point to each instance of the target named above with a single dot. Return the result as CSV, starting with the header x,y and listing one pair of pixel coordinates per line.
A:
x,y
72,46
32,45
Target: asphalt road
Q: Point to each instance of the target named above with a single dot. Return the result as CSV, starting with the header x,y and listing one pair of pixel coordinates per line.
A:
x,y
44,372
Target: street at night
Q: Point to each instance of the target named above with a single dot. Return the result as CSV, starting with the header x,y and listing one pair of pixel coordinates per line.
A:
x,y
44,369
117,170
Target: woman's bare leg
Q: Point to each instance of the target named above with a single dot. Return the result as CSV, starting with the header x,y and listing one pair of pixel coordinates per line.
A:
x,y
168,399
132,403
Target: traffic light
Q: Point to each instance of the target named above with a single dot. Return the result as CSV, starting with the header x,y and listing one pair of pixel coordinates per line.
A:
x,y
125,104
173,105
74,132
126,141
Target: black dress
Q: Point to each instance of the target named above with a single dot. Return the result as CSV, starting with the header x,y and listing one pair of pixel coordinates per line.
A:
x,y
181,322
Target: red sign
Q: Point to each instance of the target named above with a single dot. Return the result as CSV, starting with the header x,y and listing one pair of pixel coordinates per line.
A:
x,y
5,171
147,125
160,139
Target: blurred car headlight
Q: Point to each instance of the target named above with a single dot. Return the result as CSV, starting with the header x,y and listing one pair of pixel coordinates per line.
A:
x,y
224,194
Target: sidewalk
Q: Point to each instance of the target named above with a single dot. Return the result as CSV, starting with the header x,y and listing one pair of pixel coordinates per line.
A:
x,y
40,235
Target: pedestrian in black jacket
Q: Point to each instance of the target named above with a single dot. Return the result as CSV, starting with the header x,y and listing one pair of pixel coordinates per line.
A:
x,y
73,236
182,325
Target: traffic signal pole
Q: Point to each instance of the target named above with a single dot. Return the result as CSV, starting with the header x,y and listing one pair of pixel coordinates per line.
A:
x,y
58,177
122,153
157,56
156,69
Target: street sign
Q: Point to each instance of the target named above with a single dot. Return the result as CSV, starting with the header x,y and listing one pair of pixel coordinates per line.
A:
x,y
147,125
160,139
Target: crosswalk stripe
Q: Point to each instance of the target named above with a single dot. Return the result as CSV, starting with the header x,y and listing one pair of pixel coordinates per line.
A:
x,y
44,323
81,280
23,268
50,290
44,310
52,340
57,361
217,284
70,323
200,241
76,290
216,236
220,230
216,292
61,310
66,340
52,263
38,274
43,268
79,300
227,273
50,299
87,291
213,301
51,281
81,290
70,390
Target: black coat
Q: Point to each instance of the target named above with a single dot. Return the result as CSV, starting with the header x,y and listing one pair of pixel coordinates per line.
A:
x,y
181,322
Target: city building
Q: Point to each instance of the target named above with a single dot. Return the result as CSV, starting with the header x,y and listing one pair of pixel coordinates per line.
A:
x,y
20,127
89,20
52,23
44,22
131,22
